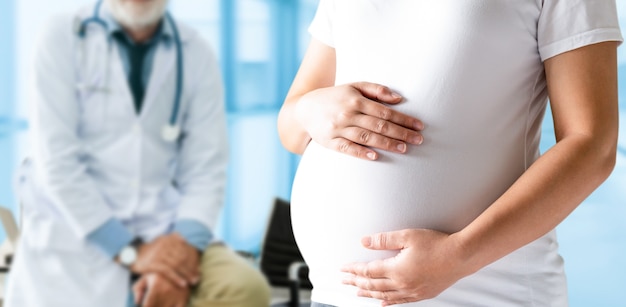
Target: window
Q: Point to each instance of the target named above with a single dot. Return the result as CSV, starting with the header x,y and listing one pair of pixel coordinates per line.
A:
x,y
8,122
259,44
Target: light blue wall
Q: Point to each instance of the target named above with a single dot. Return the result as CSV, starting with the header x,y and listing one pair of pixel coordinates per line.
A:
x,y
7,102
258,59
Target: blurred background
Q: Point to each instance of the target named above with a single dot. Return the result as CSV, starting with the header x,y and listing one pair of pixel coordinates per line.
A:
x,y
260,44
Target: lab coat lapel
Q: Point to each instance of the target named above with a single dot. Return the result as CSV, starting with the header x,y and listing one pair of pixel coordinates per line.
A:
x,y
163,70
121,80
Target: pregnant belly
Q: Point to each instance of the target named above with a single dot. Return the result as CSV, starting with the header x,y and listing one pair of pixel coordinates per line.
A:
x,y
338,199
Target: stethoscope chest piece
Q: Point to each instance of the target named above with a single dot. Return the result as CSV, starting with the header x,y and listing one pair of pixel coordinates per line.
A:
x,y
170,133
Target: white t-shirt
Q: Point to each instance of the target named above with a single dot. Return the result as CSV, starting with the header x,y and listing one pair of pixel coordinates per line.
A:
x,y
472,70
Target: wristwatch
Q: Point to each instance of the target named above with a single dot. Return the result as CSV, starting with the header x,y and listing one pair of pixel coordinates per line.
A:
x,y
128,254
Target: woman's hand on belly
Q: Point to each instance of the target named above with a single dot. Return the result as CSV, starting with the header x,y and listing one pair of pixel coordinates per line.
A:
x,y
428,263
347,118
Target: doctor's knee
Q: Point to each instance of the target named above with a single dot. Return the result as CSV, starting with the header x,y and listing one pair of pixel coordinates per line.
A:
x,y
228,280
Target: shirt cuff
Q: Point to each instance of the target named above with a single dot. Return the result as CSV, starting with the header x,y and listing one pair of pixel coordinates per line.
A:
x,y
195,233
111,237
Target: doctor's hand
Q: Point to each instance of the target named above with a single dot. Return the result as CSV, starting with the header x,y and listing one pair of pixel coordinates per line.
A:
x,y
350,118
172,257
428,262
154,290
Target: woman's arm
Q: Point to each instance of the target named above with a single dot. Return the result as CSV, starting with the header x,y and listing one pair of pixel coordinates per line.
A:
x,y
347,118
317,70
582,86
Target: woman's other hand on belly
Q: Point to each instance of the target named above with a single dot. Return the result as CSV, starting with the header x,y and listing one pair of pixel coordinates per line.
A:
x,y
428,262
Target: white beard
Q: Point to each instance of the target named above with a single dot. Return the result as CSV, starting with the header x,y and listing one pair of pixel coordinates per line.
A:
x,y
137,15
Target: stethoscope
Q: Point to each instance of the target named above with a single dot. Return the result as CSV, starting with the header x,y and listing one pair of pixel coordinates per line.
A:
x,y
170,131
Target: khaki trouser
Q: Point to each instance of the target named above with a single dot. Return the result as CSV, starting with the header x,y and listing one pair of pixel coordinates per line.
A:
x,y
228,280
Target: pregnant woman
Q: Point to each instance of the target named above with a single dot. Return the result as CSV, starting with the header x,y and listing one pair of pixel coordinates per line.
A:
x,y
421,181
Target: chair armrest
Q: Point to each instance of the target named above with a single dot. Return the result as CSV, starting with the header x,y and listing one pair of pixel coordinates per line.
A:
x,y
294,282
294,270
8,259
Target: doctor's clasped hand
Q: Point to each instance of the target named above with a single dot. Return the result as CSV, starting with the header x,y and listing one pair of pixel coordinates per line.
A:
x,y
170,256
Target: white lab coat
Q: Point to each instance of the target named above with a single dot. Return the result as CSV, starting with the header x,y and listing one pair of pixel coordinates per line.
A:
x,y
94,158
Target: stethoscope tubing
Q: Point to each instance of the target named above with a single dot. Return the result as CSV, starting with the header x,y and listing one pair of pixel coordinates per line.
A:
x,y
179,71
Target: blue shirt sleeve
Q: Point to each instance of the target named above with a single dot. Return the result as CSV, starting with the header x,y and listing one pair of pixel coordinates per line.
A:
x,y
111,237
195,233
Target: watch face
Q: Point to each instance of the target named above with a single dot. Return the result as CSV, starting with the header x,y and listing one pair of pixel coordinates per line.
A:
x,y
128,255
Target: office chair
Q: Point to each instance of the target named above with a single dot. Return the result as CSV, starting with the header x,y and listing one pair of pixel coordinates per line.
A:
x,y
280,259
7,248
12,233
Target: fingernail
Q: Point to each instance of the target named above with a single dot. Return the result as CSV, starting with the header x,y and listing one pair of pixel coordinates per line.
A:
x,y
419,126
367,241
371,155
401,147
417,140
395,95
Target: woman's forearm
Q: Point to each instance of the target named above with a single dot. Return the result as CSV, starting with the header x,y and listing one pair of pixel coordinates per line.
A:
x,y
539,200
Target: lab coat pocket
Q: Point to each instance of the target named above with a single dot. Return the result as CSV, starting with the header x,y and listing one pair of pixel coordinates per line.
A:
x,y
93,109
47,233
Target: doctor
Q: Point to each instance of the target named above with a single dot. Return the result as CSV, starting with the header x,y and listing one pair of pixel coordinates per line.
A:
x,y
129,168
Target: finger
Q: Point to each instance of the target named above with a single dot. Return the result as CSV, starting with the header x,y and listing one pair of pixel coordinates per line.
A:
x,y
185,258
171,274
383,112
348,147
180,268
139,290
177,262
189,275
390,295
390,298
378,92
388,129
371,284
373,269
372,139
188,269
196,275
400,301
192,264
150,299
394,240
